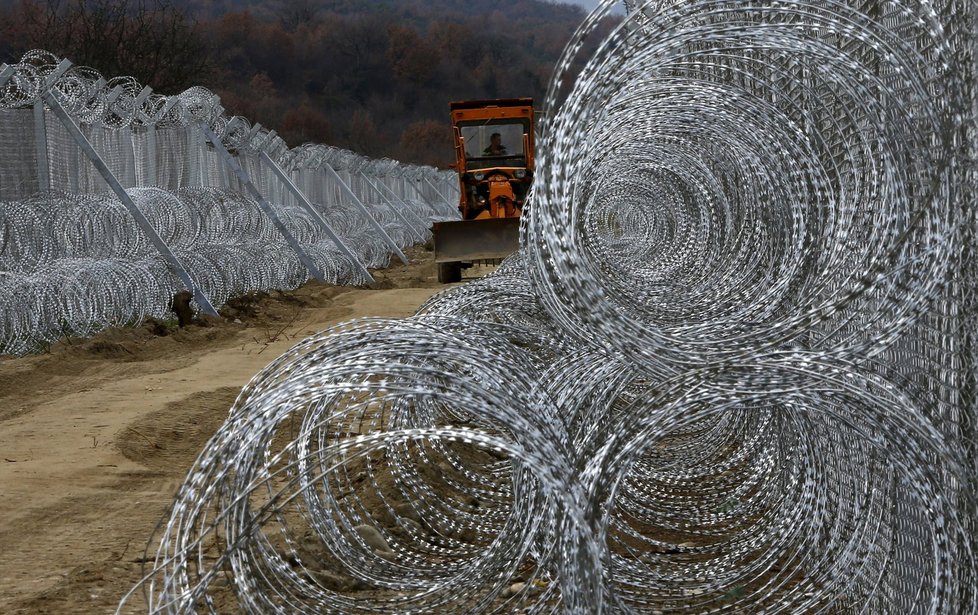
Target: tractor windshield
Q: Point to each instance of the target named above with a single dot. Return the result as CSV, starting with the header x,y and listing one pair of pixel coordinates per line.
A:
x,y
494,143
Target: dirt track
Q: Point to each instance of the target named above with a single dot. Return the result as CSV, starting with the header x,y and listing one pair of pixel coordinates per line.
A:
x,y
96,435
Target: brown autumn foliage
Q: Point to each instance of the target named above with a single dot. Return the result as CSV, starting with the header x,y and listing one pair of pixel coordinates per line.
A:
x,y
306,125
424,136
375,77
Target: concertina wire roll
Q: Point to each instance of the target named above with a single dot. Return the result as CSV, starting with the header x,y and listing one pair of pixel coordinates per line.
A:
x,y
72,259
731,369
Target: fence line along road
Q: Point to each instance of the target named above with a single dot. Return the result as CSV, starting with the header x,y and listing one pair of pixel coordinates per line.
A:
x,y
113,198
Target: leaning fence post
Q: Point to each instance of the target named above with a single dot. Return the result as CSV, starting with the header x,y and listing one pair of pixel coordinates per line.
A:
x,y
6,72
437,191
356,201
306,205
391,206
85,145
406,207
263,204
416,191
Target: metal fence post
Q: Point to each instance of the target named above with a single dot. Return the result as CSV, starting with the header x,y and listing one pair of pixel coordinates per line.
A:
x,y
437,191
377,227
306,205
404,204
391,206
263,204
85,145
6,72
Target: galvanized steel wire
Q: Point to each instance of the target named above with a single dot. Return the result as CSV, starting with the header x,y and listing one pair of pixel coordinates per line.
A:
x,y
731,370
74,264
72,259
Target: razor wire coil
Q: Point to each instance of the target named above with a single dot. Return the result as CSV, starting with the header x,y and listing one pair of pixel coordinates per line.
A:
x,y
729,371
154,145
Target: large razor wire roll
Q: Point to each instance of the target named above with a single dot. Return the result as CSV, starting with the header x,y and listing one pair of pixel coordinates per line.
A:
x,y
74,264
782,487
452,459
735,185
726,373
726,177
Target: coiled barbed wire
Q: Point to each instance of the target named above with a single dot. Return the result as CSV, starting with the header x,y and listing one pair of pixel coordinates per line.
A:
x,y
75,264
730,371
115,104
227,243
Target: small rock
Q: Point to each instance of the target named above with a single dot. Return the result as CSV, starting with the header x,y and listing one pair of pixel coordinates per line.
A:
x,y
206,321
383,517
237,321
407,510
372,537
412,526
513,589
466,535
335,582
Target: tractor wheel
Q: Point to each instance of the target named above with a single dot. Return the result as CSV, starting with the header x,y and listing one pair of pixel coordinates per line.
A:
x,y
449,272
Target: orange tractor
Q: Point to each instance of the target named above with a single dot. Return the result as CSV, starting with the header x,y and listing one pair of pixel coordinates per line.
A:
x,y
494,148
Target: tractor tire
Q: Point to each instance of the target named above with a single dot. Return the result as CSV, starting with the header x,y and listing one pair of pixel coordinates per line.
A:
x,y
449,273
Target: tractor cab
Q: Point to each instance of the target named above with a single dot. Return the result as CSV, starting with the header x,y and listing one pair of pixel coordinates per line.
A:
x,y
494,142
494,149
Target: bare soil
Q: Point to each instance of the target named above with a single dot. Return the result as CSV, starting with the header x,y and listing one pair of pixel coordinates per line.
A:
x,y
96,435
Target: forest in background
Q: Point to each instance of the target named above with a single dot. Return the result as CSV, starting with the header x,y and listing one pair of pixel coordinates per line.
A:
x,y
374,77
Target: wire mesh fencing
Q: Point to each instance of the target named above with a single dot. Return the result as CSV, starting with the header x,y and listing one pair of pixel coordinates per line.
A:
x,y
221,200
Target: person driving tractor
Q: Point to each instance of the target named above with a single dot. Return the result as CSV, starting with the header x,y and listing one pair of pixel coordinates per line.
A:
x,y
494,183
496,147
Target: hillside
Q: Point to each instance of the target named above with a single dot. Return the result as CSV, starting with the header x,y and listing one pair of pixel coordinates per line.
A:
x,y
375,77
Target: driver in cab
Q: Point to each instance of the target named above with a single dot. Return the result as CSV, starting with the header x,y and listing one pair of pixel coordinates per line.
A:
x,y
496,147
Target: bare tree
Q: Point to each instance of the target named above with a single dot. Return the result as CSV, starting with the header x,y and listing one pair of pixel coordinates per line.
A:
x,y
155,41
294,13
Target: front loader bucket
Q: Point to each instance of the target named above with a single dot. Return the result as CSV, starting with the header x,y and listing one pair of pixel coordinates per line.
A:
x,y
474,240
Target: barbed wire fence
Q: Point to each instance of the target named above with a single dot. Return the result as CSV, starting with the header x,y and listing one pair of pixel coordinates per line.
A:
x,y
113,198
731,370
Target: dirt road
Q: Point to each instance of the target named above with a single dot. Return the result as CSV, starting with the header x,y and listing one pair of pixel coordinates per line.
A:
x,y
96,435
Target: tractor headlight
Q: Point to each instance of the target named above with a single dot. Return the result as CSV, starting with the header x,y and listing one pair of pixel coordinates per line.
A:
x,y
520,173
479,176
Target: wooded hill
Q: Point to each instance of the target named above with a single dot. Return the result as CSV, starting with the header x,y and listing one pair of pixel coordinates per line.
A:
x,y
375,77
